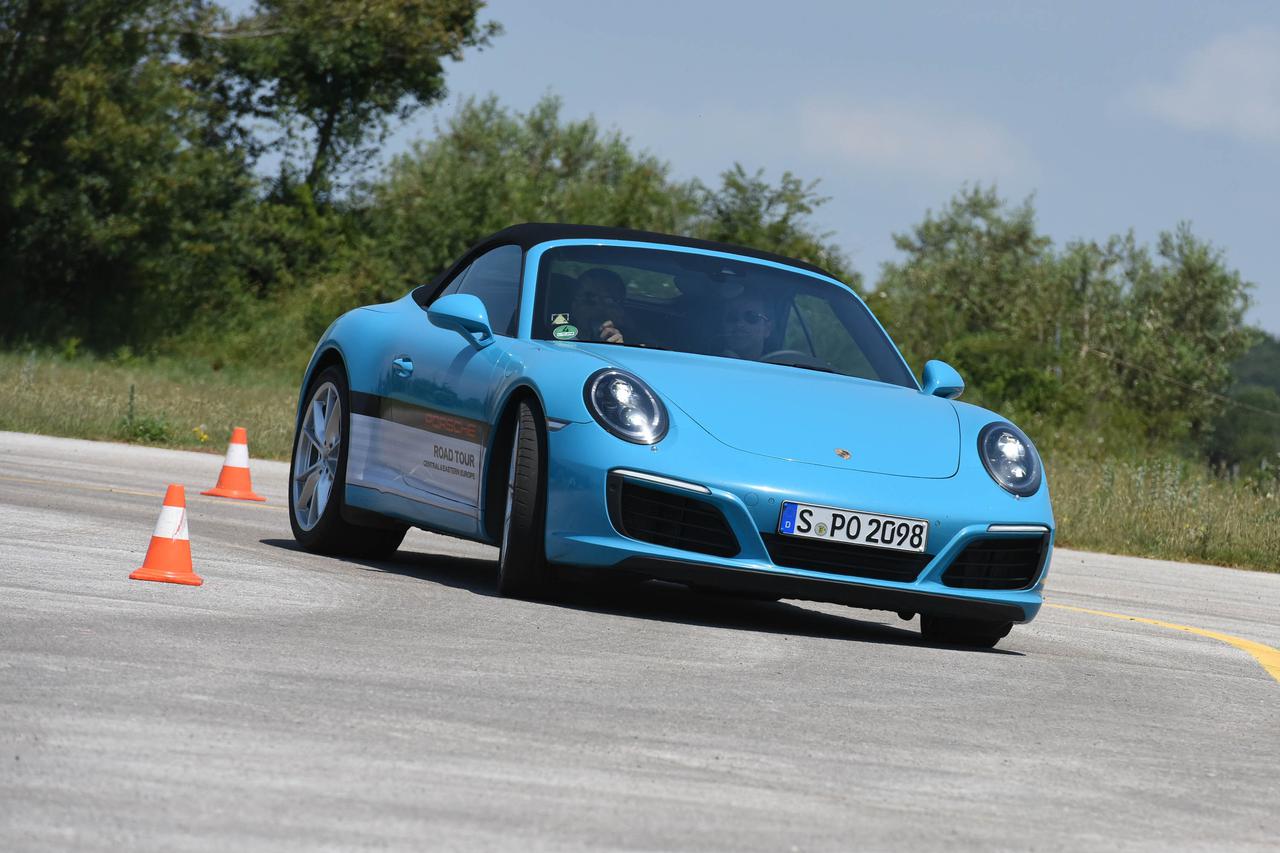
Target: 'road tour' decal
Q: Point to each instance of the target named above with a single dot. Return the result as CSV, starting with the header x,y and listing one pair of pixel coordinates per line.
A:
x,y
414,451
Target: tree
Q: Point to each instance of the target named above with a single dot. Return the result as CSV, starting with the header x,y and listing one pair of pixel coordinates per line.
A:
x,y
343,68
489,167
748,211
1185,329
113,182
1109,336
975,288
1247,429
1260,365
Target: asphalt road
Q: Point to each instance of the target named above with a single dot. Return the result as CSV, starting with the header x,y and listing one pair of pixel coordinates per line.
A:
x,y
296,701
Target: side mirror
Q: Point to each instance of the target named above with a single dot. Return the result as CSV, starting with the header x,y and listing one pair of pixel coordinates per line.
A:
x,y
942,380
465,314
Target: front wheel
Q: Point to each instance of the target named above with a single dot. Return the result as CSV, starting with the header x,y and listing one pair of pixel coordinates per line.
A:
x,y
954,631
523,571
317,477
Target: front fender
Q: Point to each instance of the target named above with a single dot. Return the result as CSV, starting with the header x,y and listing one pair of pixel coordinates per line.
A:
x,y
342,339
555,374
972,420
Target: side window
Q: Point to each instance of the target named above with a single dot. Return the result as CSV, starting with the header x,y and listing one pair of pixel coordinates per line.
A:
x,y
494,278
814,327
452,287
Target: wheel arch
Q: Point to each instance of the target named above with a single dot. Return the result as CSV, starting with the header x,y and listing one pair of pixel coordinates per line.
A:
x,y
328,356
331,356
497,456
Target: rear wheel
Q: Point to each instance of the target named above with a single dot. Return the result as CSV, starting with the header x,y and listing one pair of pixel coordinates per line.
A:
x,y
317,477
523,571
953,631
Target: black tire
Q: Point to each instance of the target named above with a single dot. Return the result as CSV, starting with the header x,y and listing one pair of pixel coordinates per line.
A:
x,y
953,631
523,571
329,532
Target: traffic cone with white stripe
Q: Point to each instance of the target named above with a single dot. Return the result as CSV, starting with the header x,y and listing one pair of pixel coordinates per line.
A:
x,y
169,557
234,482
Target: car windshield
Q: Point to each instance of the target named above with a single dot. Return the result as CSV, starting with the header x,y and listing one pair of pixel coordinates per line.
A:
x,y
696,303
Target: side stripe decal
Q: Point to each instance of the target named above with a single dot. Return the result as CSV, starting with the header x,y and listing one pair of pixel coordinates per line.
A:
x,y
420,417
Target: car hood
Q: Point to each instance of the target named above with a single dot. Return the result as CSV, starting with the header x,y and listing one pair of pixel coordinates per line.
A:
x,y
806,416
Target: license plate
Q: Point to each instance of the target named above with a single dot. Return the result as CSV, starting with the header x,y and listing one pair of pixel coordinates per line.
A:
x,y
850,527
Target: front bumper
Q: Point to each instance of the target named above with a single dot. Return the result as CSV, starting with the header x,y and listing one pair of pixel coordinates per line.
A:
x,y
749,490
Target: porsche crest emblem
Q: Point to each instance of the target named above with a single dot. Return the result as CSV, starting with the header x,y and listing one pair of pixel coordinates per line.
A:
x,y
842,453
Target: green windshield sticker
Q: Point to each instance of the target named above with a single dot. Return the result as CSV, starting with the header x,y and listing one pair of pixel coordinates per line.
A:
x,y
564,333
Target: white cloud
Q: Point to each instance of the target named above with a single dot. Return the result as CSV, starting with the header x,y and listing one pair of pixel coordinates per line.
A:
x,y
1231,85
915,141
829,135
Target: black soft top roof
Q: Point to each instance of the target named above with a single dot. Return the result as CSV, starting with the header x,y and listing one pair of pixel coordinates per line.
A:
x,y
530,234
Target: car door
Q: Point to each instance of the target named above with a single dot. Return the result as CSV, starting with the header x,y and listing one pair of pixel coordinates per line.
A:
x,y
440,387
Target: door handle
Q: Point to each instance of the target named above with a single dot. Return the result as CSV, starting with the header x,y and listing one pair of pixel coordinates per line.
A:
x,y
402,366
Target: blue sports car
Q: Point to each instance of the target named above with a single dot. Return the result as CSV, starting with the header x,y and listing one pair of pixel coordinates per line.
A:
x,y
668,408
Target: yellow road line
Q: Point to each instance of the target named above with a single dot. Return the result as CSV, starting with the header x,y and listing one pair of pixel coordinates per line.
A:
x,y
90,487
1267,656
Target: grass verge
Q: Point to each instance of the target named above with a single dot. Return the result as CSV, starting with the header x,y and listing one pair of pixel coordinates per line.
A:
x,y
166,403
1165,508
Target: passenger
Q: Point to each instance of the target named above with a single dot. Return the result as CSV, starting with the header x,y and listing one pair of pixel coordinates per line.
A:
x,y
598,307
744,327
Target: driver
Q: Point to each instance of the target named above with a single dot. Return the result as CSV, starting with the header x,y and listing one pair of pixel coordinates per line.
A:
x,y
598,305
744,327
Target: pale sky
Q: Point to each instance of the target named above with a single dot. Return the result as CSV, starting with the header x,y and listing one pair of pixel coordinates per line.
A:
x,y
1115,115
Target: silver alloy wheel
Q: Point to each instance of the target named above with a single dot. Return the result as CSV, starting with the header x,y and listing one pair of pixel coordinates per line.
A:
x,y
315,459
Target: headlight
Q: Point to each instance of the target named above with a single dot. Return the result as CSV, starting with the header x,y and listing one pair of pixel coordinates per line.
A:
x,y
625,406
1010,458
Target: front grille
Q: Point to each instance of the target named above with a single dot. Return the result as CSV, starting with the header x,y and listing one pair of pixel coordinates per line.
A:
x,y
1007,563
672,520
834,558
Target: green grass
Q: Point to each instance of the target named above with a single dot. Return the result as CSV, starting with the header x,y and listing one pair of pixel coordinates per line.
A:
x,y
1163,507
167,402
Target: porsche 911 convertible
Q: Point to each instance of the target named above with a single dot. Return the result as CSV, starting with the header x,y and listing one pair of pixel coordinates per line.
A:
x,y
659,407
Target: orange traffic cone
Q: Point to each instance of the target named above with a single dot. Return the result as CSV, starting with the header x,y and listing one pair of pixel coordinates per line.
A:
x,y
169,557
234,482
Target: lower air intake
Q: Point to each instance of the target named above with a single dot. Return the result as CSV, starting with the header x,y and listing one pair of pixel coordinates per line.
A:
x,y
1005,563
669,519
